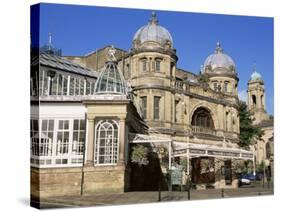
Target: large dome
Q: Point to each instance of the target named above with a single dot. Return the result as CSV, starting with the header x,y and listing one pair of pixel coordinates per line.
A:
x,y
153,32
219,60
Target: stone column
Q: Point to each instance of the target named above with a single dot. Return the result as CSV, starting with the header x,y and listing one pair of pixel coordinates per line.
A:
x,y
186,113
91,140
258,100
220,119
121,140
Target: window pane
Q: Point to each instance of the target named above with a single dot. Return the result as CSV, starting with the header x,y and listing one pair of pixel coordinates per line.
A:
x,y
60,85
76,86
156,107
157,68
88,87
66,124
144,106
45,89
82,135
35,125
82,125
65,80
75,136
60,124
75,124
81,87
71,88
54,85
144,65
44,125
51,125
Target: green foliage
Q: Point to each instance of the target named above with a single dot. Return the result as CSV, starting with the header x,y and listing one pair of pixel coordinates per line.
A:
x,y
247,130
139,155
260,167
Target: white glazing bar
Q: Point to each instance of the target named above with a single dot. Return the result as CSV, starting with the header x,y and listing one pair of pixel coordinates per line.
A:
x,y
42,83
187,161
84,93
170,155
68,85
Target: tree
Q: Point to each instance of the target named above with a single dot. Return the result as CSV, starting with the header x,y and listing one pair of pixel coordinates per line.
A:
x,y
248,131
140,155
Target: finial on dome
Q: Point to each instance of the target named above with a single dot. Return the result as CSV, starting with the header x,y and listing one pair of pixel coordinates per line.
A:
x,y
50,41
111,54
153,19
218,48
255,75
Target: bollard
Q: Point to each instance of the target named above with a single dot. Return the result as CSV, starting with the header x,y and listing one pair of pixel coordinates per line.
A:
x,y
159,195
222,193
188,193
159,189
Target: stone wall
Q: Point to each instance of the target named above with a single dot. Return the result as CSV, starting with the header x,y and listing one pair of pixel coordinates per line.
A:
x,y
67,181
55,182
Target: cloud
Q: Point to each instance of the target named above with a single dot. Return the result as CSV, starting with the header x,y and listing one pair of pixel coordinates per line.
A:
x,y
243,95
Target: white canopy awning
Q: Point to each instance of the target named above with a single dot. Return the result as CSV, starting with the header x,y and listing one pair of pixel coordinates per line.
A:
x,y
198,150
192,149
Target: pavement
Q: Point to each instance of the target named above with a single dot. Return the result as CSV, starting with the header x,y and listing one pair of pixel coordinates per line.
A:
x,y
152,197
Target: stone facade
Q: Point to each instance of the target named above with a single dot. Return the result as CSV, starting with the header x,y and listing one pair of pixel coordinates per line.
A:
x,y
151,69
182,106
256,105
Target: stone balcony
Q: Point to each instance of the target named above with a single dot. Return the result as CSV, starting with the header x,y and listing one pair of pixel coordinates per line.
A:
x,y
203,130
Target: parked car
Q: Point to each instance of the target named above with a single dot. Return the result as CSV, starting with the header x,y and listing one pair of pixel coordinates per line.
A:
x,y
246,179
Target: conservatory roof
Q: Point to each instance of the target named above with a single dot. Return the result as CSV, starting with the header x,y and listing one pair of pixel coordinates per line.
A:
x,y
58,62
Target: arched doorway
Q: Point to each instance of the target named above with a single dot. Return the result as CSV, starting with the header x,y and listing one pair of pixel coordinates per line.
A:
x,y
203,169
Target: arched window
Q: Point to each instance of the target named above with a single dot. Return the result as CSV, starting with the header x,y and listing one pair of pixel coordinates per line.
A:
x,y
157,65
106,142
202,117
144,64
225,86
254,99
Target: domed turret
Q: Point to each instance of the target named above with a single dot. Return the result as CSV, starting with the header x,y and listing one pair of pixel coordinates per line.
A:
x,y
153,32
219,62
256,97
221,71
111,80
255,76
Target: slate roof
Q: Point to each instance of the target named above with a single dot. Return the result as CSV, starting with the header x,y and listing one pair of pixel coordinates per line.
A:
x,y
60,63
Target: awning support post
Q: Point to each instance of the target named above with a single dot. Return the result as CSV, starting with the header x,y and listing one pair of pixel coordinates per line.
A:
x,y
170,155
254,164
187,161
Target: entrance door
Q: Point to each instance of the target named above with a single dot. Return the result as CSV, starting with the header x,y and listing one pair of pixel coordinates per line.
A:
x,y
203,170
228,172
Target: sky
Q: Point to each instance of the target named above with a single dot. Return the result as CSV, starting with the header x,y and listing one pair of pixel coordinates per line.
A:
x,y
78,30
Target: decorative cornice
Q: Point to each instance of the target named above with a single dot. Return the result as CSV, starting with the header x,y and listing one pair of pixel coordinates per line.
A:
x,y
188,93
222,74
170,52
